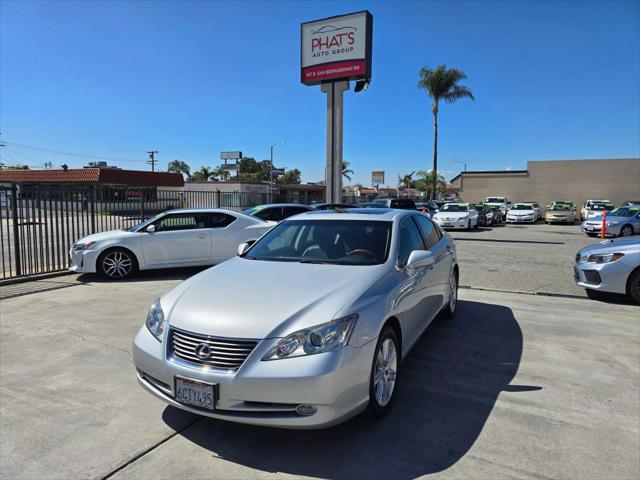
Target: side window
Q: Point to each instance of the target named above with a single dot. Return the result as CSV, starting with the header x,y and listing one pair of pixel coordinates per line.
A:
x,y
185,221
270,214
220,220
430,233
409,240
290,211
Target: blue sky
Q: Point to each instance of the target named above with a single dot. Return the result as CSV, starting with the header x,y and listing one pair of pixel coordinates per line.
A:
x,y
552,80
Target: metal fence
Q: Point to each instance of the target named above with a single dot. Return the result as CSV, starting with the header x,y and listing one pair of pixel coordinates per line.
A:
x,y
38,225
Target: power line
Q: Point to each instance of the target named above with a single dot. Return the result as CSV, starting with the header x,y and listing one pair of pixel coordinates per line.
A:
x,y
72,154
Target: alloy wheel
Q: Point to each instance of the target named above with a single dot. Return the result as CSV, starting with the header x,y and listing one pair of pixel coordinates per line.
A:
x,y
627,231
384,380
453,292
117,264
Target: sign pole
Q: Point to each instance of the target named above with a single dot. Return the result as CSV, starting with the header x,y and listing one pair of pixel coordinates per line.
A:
x,y
335,108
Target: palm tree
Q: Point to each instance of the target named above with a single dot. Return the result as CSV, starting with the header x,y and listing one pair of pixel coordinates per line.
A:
x,y
346,171
428,180
220,173
442,84
407,180
204,174
178,166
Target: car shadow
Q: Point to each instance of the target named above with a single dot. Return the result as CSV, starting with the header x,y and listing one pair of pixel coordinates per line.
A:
x,y
450,383
147,275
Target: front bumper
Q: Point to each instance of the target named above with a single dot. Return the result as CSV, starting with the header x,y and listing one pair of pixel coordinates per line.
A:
x,y
604,277
266,392
521,219
453,225
83,261
555,219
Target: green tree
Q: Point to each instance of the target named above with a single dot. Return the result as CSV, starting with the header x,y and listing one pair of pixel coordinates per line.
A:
x,y
407,180
291,177
178,166
346,171
442,84
202,175
427,180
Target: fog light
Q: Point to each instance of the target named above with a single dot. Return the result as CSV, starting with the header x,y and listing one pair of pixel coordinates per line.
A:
x,y
306,410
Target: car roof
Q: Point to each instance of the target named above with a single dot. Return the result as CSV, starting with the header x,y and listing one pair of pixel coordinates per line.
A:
x,y
269,205
200,210
377,214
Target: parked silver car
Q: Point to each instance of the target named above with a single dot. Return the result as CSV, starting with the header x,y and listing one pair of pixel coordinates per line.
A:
x,y
306,327
610,266
622,221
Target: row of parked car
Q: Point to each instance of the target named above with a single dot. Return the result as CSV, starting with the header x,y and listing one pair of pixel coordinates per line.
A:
x,y
348,291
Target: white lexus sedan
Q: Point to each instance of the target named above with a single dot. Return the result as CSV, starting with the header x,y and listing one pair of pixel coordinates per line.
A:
x,y
308,326
176,238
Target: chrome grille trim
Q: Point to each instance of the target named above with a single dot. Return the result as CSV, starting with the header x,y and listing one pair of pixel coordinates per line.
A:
x,y
226,353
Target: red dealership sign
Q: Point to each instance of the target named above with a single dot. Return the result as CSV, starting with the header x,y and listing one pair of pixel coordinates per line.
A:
x,y
336,48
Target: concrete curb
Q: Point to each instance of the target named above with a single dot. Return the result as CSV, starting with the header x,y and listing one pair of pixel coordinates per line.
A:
x,y
524,292
32,278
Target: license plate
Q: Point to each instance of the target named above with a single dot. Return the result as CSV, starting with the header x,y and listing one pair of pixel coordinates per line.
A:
x,y
448,224
590,228
196,394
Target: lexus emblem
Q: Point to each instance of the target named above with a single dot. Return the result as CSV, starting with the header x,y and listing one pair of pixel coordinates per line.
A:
x,y
203,351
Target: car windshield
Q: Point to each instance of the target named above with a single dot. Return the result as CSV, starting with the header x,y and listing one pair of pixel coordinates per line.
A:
x,y
522,206
140,225
340,242
455,207
480,208
560,208
600,206
624,212
252,210
494,200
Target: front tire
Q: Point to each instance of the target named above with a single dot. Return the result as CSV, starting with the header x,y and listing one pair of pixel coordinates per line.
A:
x,y
626,231
383,382
469,226
633,286
449,310
117,264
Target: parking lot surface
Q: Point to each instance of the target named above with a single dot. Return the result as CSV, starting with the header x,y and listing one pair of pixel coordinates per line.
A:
x,y
529,258
515,386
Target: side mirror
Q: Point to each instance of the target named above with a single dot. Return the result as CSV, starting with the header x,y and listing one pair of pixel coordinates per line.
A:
x,y
243,247
419,259
150,229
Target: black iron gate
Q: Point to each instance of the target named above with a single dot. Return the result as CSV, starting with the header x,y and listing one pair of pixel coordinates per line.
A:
x,y
39,225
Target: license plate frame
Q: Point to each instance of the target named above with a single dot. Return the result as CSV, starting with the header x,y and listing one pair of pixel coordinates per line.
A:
x,y
199,395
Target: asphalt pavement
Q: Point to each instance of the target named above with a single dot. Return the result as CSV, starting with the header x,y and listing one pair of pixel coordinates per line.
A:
x,y
516,385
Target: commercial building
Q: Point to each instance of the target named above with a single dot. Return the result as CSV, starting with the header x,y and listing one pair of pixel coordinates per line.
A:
x,y
615,179
91,176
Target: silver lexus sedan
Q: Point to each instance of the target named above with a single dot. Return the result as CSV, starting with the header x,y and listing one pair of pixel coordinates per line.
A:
x,y
306,327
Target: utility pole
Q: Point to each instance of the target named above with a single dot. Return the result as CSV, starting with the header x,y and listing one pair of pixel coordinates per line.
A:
x,y
152,159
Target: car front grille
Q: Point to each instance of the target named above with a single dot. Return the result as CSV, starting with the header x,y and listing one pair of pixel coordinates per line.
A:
x,y
212,352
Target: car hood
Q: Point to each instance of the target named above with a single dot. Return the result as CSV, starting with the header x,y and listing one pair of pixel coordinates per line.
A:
x,y
624,244
559,213
243,298
110,235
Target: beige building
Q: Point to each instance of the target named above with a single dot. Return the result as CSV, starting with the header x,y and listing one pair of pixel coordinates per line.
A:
x,y
616,179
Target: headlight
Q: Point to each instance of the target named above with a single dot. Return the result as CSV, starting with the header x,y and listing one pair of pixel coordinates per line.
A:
x,y
322,338
83,246
155,320
604,257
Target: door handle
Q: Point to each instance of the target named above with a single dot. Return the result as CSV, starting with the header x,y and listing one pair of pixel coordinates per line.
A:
x,y
202,235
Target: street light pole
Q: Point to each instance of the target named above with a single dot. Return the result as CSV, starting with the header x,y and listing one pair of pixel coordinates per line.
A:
x,y
271,168
464,163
